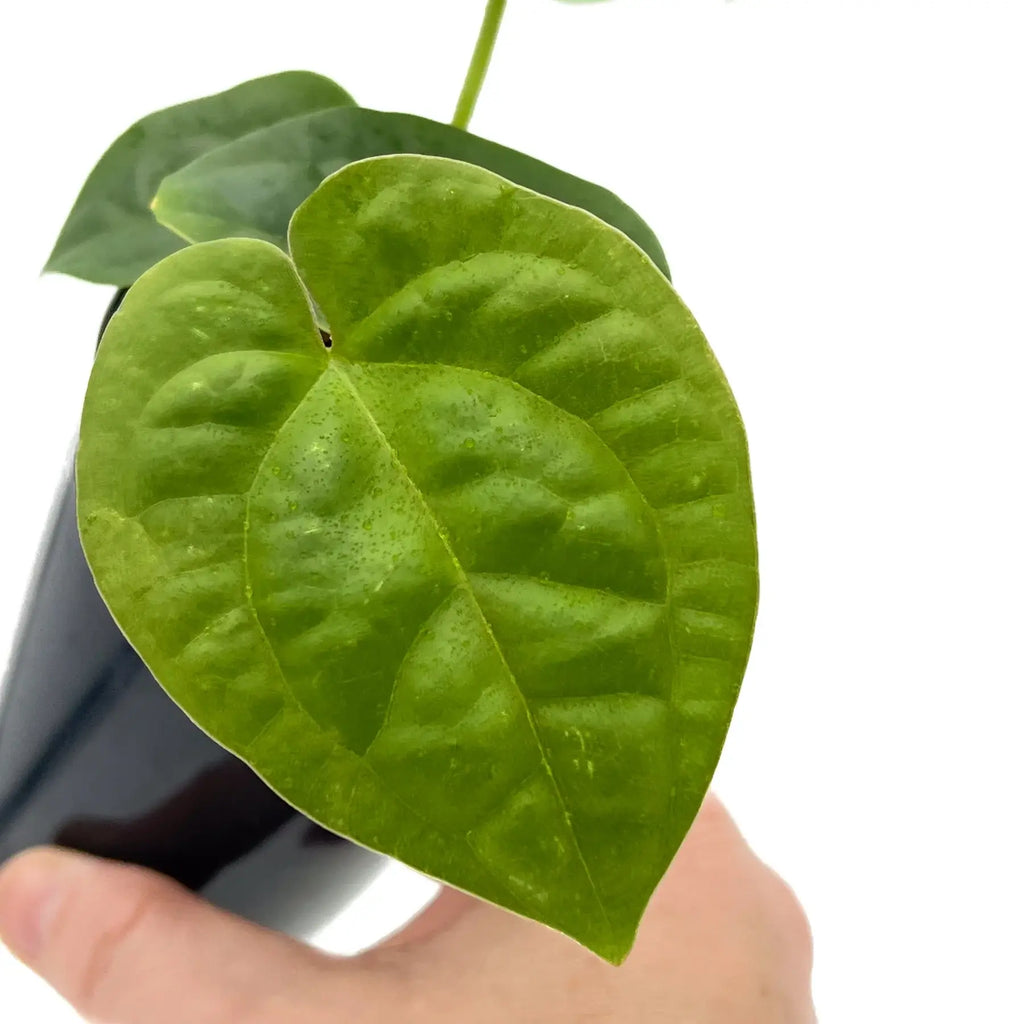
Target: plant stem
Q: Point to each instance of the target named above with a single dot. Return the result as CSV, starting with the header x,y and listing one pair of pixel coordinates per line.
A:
x,y
478,65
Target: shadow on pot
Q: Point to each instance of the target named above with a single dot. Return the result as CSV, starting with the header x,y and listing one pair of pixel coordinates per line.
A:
x,y
95,756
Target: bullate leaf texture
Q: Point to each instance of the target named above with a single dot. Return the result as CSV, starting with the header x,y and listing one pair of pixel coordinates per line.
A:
x,y
474,584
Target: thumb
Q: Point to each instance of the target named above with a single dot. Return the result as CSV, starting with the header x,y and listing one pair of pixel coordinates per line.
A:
x,y
126,946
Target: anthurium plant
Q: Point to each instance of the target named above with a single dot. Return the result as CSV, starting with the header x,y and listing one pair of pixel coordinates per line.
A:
x,y
417,486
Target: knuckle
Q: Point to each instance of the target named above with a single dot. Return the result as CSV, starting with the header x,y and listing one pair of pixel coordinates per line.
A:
x,y
105,940
791,919
772,968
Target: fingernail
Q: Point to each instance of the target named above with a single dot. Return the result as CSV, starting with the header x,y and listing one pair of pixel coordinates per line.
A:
x,y
32,887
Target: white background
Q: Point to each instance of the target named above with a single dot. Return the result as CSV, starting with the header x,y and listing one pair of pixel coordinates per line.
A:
x,y
838,186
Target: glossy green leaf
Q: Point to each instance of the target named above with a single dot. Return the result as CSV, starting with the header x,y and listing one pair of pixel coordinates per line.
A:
x,y
476,585
110,235
251,188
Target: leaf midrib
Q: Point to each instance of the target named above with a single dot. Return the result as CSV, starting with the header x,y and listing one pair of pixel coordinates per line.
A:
x,y
246,576
464,579
334,362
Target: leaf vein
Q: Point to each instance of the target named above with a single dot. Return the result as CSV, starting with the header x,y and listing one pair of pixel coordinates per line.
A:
x,y
400,466
614,594
246,574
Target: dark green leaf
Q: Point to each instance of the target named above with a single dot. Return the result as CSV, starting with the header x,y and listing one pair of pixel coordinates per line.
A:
x,y
110,235
475,586
251,188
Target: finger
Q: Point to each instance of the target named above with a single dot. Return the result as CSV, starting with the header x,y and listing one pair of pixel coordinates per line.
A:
x,y
126,946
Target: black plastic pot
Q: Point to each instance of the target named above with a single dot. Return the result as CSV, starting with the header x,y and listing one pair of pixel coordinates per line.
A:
x,y
95,756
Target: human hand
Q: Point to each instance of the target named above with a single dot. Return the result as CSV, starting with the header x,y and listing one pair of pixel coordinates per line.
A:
x,y
724,941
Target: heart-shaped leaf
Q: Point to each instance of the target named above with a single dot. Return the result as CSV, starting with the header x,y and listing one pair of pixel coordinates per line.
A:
x,y
110,235
250,188
474,586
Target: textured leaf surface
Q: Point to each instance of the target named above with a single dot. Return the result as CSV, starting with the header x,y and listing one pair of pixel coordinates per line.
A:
x,y
111,235
474,587
250,188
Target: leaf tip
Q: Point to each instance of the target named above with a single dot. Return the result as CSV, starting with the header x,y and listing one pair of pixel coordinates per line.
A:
x,y
614,953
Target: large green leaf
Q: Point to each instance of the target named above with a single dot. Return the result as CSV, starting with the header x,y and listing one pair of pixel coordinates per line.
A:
x,y
250,188
475,586
110,235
